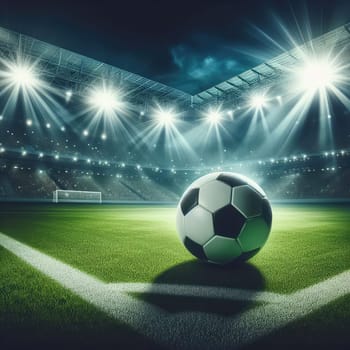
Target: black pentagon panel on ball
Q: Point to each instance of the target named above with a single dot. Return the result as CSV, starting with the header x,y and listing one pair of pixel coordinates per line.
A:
x,y
228,222
267,212
247,255
230,180
195,248
190,200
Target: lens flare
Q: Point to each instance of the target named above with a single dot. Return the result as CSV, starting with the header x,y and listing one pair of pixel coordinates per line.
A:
x,y
258,101
165,117
317,75
105,99
213,115
23,76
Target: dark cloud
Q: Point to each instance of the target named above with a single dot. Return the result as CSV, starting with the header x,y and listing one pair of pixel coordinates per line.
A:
x,y
188,44
203,61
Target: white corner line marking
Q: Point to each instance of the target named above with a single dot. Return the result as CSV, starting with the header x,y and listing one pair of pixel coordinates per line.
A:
x,y
186,290
186,330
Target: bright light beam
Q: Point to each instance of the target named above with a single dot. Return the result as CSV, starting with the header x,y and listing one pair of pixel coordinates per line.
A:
x,y
20,79
165,117
317,75
212,136
23,76
163,130
258,102
213,116
107,111
105,100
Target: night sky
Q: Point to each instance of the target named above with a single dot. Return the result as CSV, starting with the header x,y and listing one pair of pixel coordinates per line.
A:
x,y
190,45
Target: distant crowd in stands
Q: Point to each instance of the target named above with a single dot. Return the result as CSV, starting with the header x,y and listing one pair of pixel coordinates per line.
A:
x,y
286,182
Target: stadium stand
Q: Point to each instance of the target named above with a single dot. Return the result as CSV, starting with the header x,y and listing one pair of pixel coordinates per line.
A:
x,y
298,178
135,153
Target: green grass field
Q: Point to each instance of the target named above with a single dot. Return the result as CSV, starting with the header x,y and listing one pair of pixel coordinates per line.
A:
x,y
308,244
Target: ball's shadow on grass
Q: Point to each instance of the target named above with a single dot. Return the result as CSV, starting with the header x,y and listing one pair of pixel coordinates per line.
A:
x,y
196,273
241,275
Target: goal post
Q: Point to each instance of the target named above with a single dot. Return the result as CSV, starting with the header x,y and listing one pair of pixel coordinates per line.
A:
x,y
70,196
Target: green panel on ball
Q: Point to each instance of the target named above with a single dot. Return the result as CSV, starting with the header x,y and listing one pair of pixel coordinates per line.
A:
x,y
254,234
222,250
247,201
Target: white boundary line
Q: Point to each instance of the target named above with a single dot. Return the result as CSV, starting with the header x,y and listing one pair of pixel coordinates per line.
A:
x,y
197,291
186,330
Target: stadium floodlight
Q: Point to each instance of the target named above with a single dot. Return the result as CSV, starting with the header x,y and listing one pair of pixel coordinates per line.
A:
x,y
316,74
23,76
258,101
214,115
108,110
212,127
164,124
165,117
105,99
69,94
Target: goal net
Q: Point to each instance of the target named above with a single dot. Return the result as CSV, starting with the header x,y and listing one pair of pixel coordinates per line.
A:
x,y
68,196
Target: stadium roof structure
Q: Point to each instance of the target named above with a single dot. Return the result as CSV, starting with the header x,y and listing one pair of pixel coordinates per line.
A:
x,y
269,72
69,70
66,69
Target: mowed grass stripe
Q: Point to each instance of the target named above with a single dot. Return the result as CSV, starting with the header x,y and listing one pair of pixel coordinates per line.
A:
x,y
308,244
36,312
209,331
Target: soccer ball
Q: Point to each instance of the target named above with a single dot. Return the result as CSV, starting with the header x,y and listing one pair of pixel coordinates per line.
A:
x,y
224,217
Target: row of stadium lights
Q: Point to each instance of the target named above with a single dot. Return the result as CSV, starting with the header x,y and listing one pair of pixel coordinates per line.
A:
x,y
166,118
315,75
272,160
29,123
138,167
214,116
118,175
172,171
303,157
85,132
103,136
